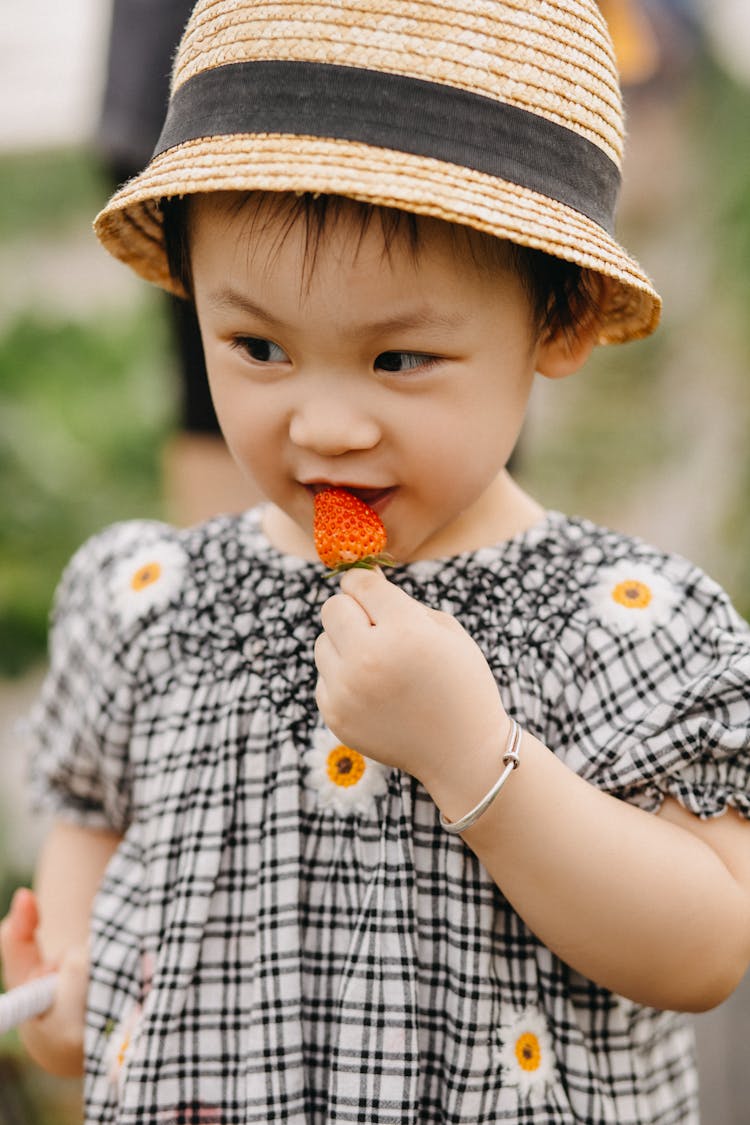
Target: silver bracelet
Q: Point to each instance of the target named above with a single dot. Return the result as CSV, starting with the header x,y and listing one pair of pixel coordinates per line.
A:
x,y
511,761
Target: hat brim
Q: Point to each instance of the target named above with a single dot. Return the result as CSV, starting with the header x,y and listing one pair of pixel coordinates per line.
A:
x,y
130,225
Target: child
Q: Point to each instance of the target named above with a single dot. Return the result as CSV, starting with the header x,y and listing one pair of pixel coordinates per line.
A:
x,y
318,906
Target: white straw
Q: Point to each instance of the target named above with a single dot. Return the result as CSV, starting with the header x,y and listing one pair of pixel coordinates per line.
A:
x,y
26,1001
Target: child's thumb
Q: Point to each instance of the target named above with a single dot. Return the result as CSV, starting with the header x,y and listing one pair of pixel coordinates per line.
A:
x,y
20,953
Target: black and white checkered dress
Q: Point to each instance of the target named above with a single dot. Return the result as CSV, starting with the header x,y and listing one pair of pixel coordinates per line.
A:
x,y
285,933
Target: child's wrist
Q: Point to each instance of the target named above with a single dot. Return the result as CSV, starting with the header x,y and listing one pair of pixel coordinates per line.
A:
x,y
511,762
459,778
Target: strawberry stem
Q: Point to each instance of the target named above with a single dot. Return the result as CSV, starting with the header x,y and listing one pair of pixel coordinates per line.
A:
x,y
370,562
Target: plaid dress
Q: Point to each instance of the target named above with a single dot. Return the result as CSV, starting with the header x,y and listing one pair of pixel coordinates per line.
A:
x,y
285,934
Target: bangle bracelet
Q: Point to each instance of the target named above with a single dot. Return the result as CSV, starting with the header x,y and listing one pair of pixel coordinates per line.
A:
x,y
511,761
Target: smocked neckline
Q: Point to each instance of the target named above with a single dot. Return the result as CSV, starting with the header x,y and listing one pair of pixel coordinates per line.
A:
x,y
517,544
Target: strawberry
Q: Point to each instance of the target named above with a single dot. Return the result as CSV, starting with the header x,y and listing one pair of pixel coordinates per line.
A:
x,y
347,531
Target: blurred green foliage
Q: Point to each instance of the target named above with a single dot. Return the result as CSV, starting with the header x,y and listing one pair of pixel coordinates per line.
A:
x,y
84,408
611,436
44,193
723,131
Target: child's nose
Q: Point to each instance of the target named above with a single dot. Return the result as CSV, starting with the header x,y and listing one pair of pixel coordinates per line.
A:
x,y
332,427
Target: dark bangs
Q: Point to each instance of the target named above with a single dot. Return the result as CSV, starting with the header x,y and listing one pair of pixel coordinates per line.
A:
x,y
562,295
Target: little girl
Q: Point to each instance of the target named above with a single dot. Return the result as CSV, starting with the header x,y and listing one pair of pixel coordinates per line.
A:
x,y
289,816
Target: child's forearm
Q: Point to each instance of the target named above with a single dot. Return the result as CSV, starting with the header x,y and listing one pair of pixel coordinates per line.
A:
x,y
49,930
69,870
651,907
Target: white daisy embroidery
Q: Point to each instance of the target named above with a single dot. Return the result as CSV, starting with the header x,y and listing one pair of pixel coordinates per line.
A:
x,y
526,1052
345,780
631,596
147,579
119,1044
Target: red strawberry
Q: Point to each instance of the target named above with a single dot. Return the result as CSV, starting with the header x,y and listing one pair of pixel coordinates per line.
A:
x,y
347,531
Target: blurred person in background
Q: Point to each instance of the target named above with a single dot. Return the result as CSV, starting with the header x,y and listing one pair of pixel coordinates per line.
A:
x,y
200,477
657,44
654,40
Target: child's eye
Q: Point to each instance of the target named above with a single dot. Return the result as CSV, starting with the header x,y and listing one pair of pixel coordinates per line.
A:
x,y
404,361
260,350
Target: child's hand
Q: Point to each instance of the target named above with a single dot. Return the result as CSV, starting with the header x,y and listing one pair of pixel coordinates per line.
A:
x,y
404,684
55,1039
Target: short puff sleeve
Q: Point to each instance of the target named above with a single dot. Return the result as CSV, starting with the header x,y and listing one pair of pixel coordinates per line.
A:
x,y
659,698
79,728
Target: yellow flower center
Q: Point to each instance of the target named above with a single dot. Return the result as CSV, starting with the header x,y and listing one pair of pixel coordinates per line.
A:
x,y
123,1050
345,766
528,1051
632,594
146,576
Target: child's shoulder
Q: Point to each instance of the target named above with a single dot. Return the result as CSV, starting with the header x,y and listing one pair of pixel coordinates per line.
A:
x,y
650,669
141,566
571,559
573,583
631,588
578,590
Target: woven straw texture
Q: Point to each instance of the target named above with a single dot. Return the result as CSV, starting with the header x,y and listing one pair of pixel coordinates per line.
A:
x,y
552,58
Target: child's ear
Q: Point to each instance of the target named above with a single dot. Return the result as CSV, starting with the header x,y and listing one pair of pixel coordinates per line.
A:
x,y
562,352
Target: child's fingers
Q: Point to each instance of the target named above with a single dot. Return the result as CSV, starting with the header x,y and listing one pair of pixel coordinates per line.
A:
x,y
343,616
378,597
326,658
370,590
19,950
23,914
383,602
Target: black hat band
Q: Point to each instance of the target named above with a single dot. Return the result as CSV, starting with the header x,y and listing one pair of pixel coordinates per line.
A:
x,y
400,113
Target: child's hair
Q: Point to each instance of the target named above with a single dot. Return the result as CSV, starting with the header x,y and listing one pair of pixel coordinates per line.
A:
x,y
502,118
562,294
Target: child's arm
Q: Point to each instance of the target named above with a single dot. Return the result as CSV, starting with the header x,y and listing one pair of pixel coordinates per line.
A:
x,y
49,930
656,908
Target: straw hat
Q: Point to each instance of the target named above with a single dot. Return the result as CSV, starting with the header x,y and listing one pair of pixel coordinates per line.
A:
x,y
503,115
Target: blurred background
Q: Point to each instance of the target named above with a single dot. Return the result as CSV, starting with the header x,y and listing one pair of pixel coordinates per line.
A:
x,y
651,439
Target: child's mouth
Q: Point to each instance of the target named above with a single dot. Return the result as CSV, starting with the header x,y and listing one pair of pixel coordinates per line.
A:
x,y
373,497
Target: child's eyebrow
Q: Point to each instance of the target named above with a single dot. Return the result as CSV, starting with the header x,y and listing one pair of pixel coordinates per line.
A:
x,y
415,318
227,298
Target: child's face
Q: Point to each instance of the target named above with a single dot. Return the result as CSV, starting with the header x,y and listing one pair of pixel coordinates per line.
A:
x,y
404,376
